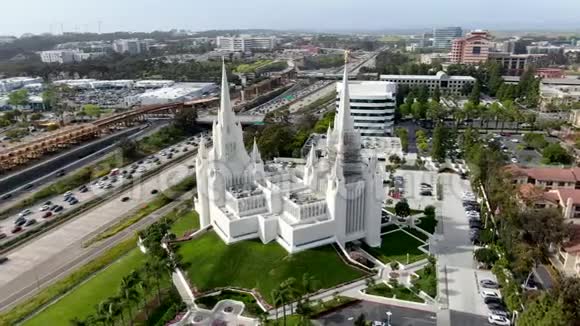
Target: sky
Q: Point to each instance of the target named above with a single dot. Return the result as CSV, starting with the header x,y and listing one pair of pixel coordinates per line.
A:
x,y
39,16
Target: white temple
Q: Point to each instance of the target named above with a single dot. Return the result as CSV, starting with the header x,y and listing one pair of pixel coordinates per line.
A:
x,y
336,198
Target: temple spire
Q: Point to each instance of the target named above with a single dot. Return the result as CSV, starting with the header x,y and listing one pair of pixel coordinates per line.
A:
x,y
311,157
202,151
256,157
343,121
225,113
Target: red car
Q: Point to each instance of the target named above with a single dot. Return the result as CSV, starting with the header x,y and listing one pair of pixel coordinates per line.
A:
x,y
17,229
47,215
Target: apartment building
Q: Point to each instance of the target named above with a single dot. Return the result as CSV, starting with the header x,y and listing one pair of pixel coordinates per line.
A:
x,y
130,46
245,43
451,85
515,64
372,106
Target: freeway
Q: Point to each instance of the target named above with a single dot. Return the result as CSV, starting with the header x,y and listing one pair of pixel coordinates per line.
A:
x,y
42,212
19,183
50,256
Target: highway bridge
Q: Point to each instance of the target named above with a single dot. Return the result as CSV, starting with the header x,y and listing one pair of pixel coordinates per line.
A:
x,y
21,154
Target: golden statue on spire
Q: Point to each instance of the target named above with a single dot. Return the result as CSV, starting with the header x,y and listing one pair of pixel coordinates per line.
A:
x,y
346,53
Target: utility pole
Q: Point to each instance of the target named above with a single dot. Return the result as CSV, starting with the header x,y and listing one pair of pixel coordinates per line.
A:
x,y
99,23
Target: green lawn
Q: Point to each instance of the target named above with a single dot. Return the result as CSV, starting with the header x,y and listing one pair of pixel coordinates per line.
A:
x,y
395,246
81,301
392,210
397,292
417,233
426,283
390,227
251,264
185,223
427,223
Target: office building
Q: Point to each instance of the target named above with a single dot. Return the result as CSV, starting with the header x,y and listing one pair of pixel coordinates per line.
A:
x,y
515,64
544,49
451,85
474,48
67,56
443,37
245,43
329,199
372,106
14,83
129,46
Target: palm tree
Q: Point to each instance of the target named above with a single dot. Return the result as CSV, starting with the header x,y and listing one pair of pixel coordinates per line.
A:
x,y
104,313
143,284
78,322
128,293
309,283
116,308
275,294
152,270
290,291
281,298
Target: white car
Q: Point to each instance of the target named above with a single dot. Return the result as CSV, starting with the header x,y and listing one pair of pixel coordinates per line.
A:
x,y
498,320
24,213
514,140
514,160
489,294
44,208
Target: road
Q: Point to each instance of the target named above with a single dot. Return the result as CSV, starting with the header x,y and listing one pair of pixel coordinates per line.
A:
x,y
377,312
459,283
43,259
43,172
94,191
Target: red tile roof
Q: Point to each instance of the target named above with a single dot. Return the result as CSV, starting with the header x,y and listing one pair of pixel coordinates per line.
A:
x,y
574,194
545,174
531,194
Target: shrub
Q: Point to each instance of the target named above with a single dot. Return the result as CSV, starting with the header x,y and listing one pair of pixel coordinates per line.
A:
x,y
429,211
486,256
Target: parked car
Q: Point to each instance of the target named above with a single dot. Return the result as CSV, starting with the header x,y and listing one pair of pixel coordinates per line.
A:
x,y
426,193
58,209
3,235
496,306
44,208
488,284
498,320
17,229
3,259
25,213
20,222
47,214
68,194
499,312
488,300
154,191
124,199
73,201
473,224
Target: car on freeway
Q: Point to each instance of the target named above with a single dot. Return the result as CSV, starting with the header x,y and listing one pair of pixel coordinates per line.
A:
x,y
60,173
488,284
28,186
6,196
25,213
3,235
3,260
17,229
30,222
498,320
20,222
47,214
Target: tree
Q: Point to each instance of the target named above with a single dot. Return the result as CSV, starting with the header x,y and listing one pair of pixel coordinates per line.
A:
x,y
186,119
438,149
429,211
495,80
545,310
402,209
567,290
128,293
556,154
403,134
486,256
18,98
417,109
542,228
436,94
360,320
129,149
91,110
536,141
35,116
475,95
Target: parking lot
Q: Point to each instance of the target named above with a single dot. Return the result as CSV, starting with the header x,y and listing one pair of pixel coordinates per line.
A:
x,y
513,147
34,216
412,188
377,312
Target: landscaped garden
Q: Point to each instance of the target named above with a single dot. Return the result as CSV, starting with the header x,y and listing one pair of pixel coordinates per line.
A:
x,y
185,223
427,223
390,227
394,291
211,263
398,246
251,307
427,280
417,233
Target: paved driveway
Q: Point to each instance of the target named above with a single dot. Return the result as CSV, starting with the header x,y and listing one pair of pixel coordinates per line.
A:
x,y
377,312
455,251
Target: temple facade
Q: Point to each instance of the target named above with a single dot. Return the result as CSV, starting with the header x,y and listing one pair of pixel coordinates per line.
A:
x,y
334,198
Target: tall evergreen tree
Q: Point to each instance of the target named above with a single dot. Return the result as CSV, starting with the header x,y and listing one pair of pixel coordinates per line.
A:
x,y
475,94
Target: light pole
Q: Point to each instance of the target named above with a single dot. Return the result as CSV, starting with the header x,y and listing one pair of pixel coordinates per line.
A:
x,y
389,318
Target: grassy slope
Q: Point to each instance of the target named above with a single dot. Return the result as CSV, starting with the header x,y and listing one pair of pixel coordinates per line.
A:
x,y
251,264
395,246
81,301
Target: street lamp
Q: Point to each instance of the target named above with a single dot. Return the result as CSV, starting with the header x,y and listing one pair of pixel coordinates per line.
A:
x,y
389,318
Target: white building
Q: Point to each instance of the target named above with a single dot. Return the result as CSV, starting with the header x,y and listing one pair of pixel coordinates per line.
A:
x,y
245,43
67,56
335,198
10,84
451,85
130,46
179,92
372,105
